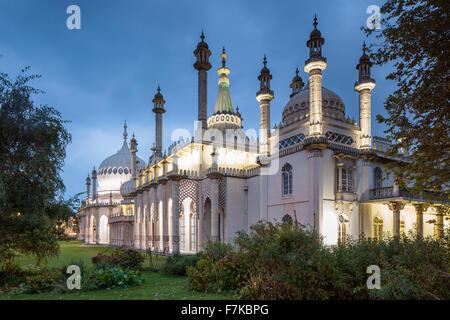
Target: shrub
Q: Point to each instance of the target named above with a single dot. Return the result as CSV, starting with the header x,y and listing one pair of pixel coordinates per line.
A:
x,y
177,264
119,257
217,269
288,261
110,278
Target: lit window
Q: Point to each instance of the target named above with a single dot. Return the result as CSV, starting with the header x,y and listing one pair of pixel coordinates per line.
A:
x,y
346,179
378,228
287,179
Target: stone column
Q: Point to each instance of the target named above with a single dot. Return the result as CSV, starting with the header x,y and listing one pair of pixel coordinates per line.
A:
x,y
175,215
396,207
142,221
214,210
164,231
136,224
315,188
420,208
156,240
315,68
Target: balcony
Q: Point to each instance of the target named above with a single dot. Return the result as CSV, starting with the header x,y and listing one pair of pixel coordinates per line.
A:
x,y
121,218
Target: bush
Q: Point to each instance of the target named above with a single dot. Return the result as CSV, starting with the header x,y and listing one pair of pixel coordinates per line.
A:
x,y
42,281
217,269
177,264
119,257
288,261
110,278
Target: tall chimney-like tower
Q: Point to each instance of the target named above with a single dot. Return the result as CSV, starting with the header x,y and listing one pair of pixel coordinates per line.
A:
x,y
364,86
88,187
314,66
133,150
202,54
264,96
158,109
94,184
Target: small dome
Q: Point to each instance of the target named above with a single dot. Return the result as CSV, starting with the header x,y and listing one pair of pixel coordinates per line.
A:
x,y
298,106
127,188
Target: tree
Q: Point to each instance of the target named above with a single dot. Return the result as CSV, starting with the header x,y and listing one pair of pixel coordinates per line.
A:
x,y
33,140
414,38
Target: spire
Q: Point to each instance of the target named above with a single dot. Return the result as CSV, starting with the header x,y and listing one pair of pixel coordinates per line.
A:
x,y
296,84
125,134
315,21
224,56
223,102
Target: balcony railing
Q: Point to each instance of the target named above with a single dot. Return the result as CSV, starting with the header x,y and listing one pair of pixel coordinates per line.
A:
x,y
381,193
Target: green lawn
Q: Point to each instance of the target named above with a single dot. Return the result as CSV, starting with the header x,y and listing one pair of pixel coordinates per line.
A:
x,y
156,287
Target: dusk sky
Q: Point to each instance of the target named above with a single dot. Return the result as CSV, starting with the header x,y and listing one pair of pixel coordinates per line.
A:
x,y
108,71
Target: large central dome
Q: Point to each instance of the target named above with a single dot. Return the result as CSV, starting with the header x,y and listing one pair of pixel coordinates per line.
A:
x,y
116,169
298,107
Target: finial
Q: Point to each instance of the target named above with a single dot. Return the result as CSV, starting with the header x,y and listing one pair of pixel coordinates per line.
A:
x,y
364,47
159,89
315,21
202,36
296,71
125,134
265,60
223,55
237,109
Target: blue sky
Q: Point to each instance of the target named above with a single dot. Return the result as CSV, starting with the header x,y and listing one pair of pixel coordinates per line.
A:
x,y
108,71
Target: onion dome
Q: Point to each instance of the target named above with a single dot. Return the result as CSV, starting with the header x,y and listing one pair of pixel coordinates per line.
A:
x,y
127,188
296,84
364,66
116,169
202,53
315,44
158,102
297,107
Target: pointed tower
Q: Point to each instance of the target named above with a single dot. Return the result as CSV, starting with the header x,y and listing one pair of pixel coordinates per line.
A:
x,y
224,117
158,109
94,184
296,84
133,150
88,187
364,86
264,96
202,54
314,66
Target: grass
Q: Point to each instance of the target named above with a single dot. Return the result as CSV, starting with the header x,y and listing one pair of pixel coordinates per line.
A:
x,y
157,286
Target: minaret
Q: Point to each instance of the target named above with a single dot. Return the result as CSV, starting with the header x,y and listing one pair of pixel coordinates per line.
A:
x,y
264,96
364,86
133,150
296,84
88,187
94,184
158,109
314,66
202,54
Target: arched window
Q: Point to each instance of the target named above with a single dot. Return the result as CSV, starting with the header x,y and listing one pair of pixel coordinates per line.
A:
x,y
287,218
193,225
378,228
286,173
378,178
